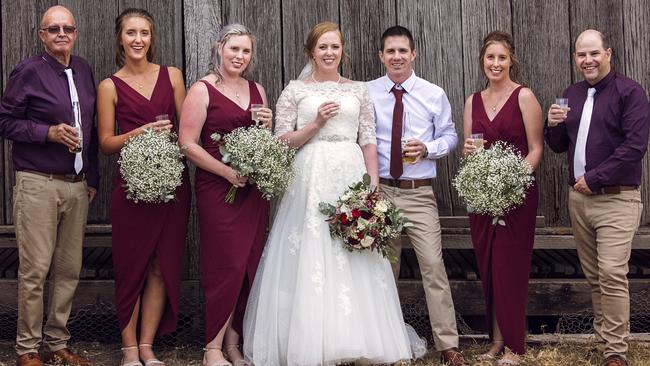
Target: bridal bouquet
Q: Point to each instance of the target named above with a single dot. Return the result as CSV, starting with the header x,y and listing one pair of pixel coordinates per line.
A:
x,y
494,181
151,165
257,154
364,219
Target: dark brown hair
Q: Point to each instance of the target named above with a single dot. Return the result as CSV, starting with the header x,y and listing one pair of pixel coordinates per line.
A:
x,y
506,40
119,26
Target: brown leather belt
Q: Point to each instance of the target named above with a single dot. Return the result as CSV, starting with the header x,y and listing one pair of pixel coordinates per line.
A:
x,y
71,178
615,189
405,184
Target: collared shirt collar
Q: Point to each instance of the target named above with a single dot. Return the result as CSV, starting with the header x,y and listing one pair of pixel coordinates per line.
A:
x,y
407,85
603,82
55,64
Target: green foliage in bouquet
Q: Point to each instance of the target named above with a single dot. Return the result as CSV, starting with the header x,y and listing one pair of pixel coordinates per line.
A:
x,y
151,164
364,219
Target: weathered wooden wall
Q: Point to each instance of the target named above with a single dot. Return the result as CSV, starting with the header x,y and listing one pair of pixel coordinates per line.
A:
x,y
448,37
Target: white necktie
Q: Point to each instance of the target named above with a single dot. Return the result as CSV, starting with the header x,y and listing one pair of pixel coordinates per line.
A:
x,y
579,156
76,110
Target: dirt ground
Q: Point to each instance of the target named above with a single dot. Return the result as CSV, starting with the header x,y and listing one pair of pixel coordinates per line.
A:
x,y
566,354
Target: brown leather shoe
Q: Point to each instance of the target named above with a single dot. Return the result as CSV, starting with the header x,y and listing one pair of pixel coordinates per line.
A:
x,y
615,360
29,359
452,357
66,357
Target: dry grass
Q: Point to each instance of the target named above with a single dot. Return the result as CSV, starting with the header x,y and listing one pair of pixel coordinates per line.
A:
x,y
566,354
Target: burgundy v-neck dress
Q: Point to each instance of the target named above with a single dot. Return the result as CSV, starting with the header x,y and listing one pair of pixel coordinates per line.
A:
x,y
503,253
232,235
142,231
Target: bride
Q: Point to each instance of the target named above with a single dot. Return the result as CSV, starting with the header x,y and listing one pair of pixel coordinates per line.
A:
x,y
313,302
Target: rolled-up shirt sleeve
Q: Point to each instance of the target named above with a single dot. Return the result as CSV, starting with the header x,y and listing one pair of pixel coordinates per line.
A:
x,y
14,122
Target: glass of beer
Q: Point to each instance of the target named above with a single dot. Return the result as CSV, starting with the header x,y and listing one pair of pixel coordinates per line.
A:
x,y
255,109
477,140
407,134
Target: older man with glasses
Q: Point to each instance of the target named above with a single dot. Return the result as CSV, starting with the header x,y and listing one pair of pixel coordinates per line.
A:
x,y
48,110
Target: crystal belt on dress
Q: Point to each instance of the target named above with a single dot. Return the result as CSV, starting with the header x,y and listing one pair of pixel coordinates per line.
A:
x,y
406,184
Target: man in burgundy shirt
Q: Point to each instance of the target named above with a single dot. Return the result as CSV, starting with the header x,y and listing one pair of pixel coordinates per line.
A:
x,y
48,110
605,131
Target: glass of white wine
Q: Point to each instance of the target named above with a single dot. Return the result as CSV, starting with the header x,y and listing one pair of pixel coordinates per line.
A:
x,y
563,103
255,109
77,149
477,140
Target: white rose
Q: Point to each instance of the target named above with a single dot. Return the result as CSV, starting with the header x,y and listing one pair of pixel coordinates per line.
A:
x,y
367,241
381,206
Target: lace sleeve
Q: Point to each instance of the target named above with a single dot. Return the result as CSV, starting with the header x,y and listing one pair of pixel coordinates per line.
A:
x,y
286,112
367,133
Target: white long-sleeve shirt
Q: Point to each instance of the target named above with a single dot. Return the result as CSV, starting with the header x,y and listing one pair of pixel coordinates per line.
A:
x,y
429,120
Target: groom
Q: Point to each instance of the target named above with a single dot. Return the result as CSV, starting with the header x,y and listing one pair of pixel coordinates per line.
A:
x,y
414,125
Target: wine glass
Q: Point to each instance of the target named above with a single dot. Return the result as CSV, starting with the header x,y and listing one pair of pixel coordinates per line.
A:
x,y
407,134
255,109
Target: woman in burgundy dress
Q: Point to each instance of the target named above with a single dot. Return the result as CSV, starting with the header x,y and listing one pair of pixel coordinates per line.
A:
x,y
232,235
148,238
505,111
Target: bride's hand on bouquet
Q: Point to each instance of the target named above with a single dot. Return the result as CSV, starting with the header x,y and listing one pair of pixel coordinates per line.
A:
x,y
234,177
469,146
326,111
266,118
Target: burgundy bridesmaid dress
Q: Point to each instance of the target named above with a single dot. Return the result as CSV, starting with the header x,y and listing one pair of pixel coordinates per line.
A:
x,y
232,235
503,253
143,231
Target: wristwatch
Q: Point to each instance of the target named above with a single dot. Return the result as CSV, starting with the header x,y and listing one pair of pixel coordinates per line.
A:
x,y
426,152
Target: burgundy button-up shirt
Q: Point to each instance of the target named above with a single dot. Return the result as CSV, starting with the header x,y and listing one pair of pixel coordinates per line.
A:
x,y
618,133
37,96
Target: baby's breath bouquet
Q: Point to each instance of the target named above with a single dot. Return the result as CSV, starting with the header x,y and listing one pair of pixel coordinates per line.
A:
x,y
255,153
494,181
151,165
364,219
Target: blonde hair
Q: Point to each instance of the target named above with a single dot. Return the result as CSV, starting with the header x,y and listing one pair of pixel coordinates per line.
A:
x,y
224,35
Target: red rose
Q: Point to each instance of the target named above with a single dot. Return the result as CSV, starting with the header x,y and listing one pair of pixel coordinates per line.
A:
x,y
360,235
344,219
356,213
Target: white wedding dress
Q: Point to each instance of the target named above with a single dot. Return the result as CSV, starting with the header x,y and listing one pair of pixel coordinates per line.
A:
x,y
313,302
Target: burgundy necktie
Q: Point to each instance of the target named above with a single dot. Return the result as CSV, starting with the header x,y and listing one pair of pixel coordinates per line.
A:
x,y
396,167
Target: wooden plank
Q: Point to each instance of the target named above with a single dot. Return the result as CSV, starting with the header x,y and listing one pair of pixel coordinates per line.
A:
x,y
202,21
548,82
480,17
302,16
267,29
605,16
362,24
20,23
436,27
636,17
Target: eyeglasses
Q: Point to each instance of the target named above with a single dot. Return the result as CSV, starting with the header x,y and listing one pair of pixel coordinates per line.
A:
x,y
55,29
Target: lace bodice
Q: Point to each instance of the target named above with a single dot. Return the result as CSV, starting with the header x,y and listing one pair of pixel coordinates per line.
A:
x,y
299,103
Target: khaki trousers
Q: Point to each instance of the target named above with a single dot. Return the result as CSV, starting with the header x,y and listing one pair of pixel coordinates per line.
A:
x,y
419,206
603,228
50,217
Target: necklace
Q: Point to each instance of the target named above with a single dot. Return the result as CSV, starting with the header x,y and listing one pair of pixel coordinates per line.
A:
x,y
140,86
494,106
231,90
316,81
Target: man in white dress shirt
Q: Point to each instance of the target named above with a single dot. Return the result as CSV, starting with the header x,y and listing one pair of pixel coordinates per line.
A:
x,y
414,128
